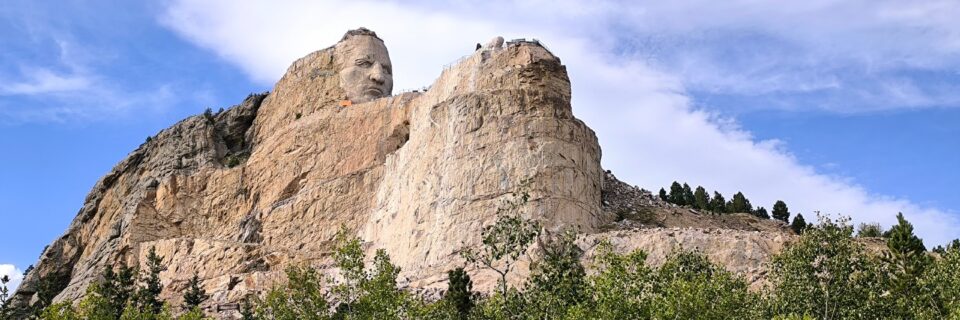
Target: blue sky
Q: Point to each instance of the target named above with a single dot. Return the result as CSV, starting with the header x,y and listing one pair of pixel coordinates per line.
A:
x,y
848,107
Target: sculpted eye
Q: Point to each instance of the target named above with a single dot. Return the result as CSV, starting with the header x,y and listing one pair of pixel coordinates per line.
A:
x,y
364,63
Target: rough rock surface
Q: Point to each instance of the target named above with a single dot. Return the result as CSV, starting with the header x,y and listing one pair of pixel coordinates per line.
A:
x,y
239,195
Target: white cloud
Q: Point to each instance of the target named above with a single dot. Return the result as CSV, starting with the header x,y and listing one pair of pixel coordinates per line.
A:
x,y
16,276
649,130
42,80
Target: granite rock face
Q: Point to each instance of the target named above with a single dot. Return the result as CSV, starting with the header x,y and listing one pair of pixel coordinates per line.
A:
x,y
239,195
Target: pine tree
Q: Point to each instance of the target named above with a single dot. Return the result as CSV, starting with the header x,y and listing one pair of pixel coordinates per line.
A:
x,y
701,200
4,294
687,195
460,292
195,293
148,295
908,256
663,195
761,212
718,204
799,224
780,211
739,204
676,194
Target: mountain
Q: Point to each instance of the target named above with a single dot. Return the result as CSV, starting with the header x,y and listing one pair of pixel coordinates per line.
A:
x,y
238,195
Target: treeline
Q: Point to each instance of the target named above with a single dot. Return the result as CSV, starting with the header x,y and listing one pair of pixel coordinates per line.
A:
x,y
683,195
825,274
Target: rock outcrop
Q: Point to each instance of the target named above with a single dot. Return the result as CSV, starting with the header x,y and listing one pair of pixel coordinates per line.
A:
x,y
239,195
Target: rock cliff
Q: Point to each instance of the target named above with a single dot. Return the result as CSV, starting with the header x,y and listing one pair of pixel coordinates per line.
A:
x,y
239,195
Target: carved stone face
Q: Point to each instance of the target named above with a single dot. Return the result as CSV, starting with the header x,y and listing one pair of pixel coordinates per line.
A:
x,y
367,73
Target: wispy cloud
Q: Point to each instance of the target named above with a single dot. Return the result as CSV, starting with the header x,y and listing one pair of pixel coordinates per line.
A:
x,y
56,76
638,103
42,80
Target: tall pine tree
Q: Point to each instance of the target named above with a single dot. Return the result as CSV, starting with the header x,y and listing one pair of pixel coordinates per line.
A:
x,y
701,200
739,204
195,294
799,224
676,194
460,292
780,211
663,195
687,195
718,204
148,295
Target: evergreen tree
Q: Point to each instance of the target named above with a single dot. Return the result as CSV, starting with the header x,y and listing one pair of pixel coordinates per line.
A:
x,y
4,294
687,195
761,212
460,292
663,195
908,256
780,211
148,295
739,204
799,224
676,194
701,200
195,294
718,204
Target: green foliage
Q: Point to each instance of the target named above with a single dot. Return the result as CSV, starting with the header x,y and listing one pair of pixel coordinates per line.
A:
x,y
131,312
620,284
208,114
460,293
557,280
828,275
148,294
907,259
701,200
362,293
676,194
63,311
739,203
48,287
687,195
300,298
798,224
195,294
761,212
955,244
940,284
869,230
663,195
505,240
688,286
4,295
781,212
193,314
718,204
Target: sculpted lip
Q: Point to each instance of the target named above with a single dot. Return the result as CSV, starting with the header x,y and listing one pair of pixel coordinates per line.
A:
x,y
372,90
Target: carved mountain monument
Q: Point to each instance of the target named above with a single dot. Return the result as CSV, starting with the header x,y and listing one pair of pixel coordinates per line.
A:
x,y
239,195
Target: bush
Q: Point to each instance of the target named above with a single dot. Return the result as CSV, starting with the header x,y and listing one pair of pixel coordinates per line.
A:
x,y
828,275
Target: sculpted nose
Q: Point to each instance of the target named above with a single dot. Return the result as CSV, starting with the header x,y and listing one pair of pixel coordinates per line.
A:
x,y
377,74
